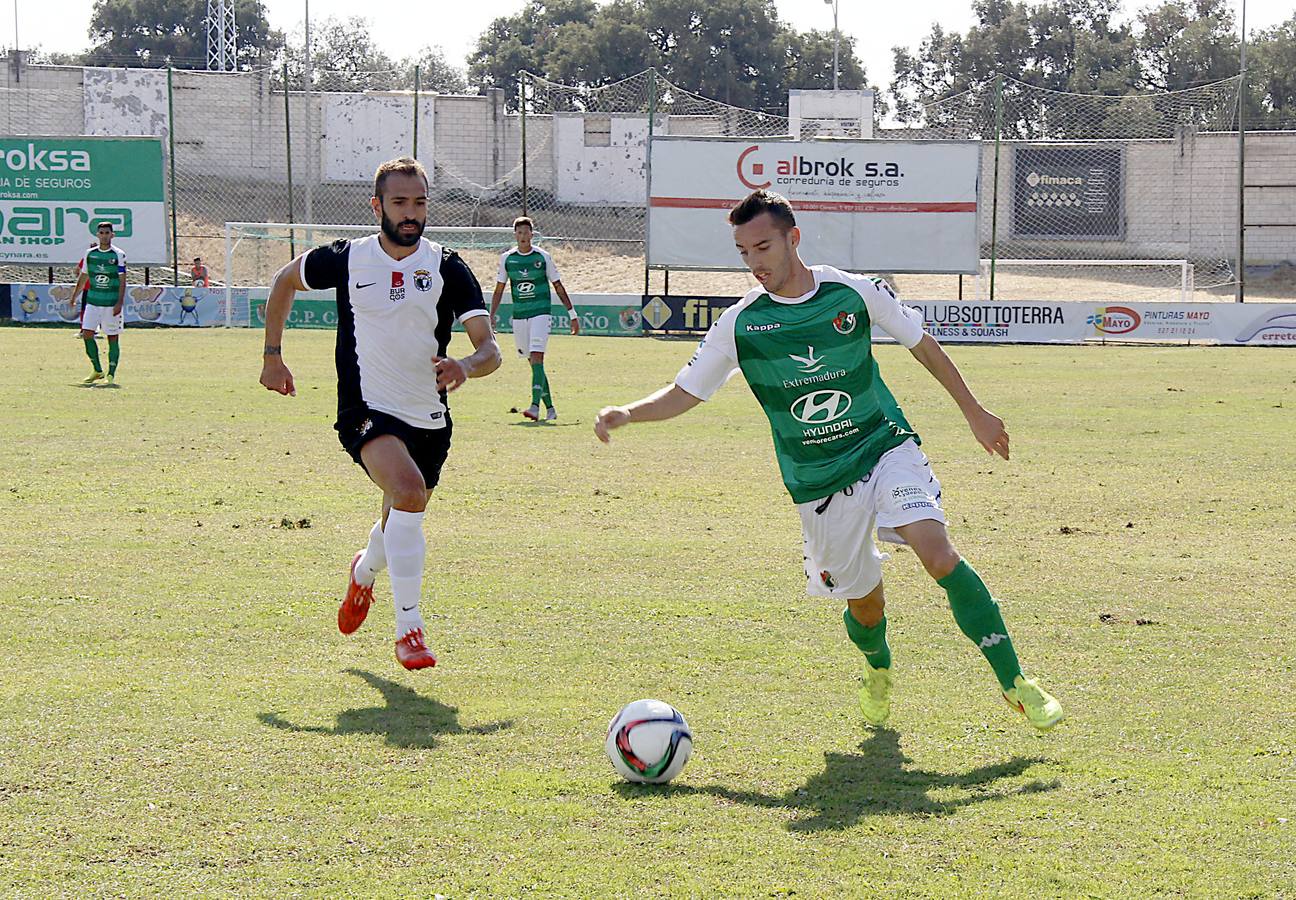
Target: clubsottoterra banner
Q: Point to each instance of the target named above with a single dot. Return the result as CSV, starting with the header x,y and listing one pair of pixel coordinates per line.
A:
x,y
55,191
893,206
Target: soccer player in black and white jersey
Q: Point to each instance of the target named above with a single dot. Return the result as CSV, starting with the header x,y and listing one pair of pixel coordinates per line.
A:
x,y
397,296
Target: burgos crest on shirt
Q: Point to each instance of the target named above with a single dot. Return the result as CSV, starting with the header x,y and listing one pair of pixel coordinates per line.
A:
x,y
423,280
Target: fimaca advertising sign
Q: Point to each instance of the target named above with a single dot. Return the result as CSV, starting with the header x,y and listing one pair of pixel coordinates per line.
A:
x,y
54,192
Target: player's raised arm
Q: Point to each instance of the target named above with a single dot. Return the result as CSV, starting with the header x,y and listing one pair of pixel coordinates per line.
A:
x,y
485,358
275,376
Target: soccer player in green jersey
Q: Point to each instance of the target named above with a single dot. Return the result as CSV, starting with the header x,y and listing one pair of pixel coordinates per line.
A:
x,y
530,269
103,270
848,456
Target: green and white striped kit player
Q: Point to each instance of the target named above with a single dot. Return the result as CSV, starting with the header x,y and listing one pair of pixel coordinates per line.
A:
x,y
105,273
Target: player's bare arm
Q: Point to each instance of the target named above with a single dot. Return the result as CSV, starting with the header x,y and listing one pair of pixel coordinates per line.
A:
x,y
986,427
495,300
485,358
667,403
571,307
275,376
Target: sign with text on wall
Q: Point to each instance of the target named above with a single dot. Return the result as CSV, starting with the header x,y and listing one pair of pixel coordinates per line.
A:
x,y
55,191
875,206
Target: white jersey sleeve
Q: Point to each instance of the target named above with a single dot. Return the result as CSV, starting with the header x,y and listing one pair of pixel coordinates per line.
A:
x,y
551,267
501,276
885,310
121,258
716,358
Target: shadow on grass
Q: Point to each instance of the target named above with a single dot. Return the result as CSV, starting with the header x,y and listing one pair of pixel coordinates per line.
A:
x,y
407,720
874,781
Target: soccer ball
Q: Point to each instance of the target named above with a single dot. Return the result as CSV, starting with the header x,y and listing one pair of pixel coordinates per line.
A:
x,y
648,742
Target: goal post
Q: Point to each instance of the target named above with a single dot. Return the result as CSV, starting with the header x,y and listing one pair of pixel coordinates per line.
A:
x,y
254,251
1133,280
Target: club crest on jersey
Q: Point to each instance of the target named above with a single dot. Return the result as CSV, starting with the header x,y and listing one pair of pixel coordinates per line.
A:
x,y
423,280
845,322
827,579
397,287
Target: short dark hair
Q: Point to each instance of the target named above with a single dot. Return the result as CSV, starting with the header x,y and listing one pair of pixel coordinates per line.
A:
x,y
763,201
404,165
197,259
102,224
524,220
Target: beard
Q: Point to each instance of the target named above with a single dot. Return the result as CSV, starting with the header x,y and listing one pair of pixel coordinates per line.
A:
x,y
392,230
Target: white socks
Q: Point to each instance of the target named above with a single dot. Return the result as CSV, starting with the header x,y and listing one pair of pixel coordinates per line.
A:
x,y
405,548
374,558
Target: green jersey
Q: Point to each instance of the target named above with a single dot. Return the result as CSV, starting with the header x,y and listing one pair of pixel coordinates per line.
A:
x,y
106,271
809,361
529,275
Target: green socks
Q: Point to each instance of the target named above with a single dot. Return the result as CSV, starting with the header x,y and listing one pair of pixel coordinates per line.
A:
x,y
977,615
546,398
114,354
92,351
871,641
539,383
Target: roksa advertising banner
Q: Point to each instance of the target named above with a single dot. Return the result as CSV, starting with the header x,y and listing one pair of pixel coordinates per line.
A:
x,y
874,206
55,191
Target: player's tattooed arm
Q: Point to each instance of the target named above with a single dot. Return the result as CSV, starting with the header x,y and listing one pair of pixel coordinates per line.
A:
x,y
275,376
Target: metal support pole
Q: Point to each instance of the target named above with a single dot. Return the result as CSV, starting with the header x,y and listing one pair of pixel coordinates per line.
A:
x,y
522,109
836,41
1240,290
652,121
312,146
994,202
416,110
175,246
292,233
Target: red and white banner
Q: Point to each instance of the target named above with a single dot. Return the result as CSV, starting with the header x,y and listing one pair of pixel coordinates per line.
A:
x,y
882,206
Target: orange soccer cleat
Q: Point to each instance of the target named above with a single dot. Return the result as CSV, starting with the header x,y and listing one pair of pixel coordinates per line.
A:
x,y
354,608
412,653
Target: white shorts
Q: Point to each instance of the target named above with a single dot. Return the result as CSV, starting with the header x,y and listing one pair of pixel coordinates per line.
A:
x,y
531,335
841,559
95,317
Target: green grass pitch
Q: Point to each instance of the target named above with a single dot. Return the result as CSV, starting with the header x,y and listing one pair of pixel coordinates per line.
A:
x,y
179,715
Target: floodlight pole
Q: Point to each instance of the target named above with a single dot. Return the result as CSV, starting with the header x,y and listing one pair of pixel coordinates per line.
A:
x,y
312,146
836,40
1240,289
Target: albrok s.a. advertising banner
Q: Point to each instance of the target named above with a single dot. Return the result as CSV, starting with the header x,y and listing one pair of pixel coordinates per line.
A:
x,y
874,206
55,191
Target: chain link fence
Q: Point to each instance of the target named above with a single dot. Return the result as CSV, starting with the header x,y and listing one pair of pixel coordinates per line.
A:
x,y
1110,184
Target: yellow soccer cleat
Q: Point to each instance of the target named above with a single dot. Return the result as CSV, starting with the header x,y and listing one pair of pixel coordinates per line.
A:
x,y
875,695
1039,707
92,378
110,380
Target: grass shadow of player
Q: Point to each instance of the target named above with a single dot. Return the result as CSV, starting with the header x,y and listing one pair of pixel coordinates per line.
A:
x,y
408,719
878,781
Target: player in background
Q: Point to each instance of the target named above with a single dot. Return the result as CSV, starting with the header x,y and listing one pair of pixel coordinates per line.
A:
x,y
102,274
199,273
397,297
529,270
848,456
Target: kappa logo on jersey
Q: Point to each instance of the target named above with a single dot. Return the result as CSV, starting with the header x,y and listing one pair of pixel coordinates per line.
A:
x,y
397,287
845,322
882,285
821,407
809,363
423,280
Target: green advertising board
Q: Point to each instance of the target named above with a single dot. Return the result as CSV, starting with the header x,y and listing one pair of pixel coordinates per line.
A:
x,y
54,191
603,314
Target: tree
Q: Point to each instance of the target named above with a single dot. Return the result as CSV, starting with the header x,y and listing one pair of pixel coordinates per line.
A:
x,y
732,50
1271,77
158,32
1184,43
436,75
521,41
